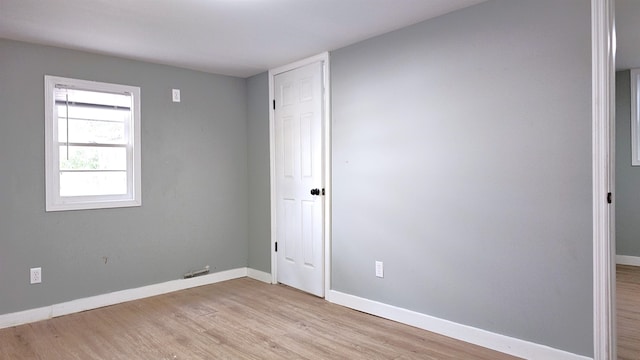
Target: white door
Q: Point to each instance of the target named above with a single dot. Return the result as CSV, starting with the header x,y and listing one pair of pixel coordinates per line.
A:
x,y
298,176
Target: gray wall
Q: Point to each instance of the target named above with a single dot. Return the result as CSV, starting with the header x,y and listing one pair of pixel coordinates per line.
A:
x,y
259,185
627,176
194,182
462,159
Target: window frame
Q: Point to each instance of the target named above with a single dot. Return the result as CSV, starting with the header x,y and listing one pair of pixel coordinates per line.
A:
x,y
56,202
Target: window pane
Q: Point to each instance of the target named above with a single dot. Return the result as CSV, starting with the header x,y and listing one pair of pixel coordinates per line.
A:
x,y
75,96
86,112
87,131
93,183
93,158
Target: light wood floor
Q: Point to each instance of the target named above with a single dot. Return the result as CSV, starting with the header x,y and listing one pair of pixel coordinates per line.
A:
x,y
628,312
237,319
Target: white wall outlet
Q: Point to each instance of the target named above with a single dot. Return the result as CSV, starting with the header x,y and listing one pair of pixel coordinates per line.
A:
x,y
175,95
36,275
379,269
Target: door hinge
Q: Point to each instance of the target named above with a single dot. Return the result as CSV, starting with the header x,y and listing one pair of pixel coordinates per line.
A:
x,y
274,104
322,191
609,198
276,246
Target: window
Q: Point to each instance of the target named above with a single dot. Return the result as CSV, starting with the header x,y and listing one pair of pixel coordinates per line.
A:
x,y
92,144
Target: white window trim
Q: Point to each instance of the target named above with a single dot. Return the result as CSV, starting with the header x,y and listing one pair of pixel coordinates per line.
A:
x,y
54,202
635,112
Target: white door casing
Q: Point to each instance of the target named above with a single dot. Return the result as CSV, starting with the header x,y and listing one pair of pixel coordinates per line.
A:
x,y
603,119
298,176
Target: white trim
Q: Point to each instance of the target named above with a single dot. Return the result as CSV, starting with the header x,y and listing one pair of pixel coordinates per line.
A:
x,y
272,179
487,339
326,168
603,101
327,174
635,151
322,57
53,200
25,317
94,302
628,260
259,275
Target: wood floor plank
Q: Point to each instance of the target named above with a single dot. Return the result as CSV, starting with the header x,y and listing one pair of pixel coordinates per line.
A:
x,y
628,311
237,319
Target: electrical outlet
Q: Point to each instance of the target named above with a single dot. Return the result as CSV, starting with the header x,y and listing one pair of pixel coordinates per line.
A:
x,y
175,95
379,269
36,275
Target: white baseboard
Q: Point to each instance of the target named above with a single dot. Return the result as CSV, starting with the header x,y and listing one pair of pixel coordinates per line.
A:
x,y
259,275
25,317
501,343
628,260
94,302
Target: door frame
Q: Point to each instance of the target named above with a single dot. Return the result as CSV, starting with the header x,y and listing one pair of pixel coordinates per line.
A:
x,y
603,177
326,163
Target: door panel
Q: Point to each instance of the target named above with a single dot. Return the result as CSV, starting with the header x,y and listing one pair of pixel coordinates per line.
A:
x,y
307,233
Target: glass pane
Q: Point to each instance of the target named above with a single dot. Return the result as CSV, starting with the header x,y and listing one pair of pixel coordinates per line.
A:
x,y
85,112
93,158
93,183
87,131
76,96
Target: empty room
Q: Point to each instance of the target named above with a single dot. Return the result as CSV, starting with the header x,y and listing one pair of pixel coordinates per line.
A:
x,y
321,179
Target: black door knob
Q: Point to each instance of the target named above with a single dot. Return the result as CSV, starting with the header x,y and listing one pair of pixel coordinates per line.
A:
x,y
315,191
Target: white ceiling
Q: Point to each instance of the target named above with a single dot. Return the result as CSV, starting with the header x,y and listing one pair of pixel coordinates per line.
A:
x,y
231,37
